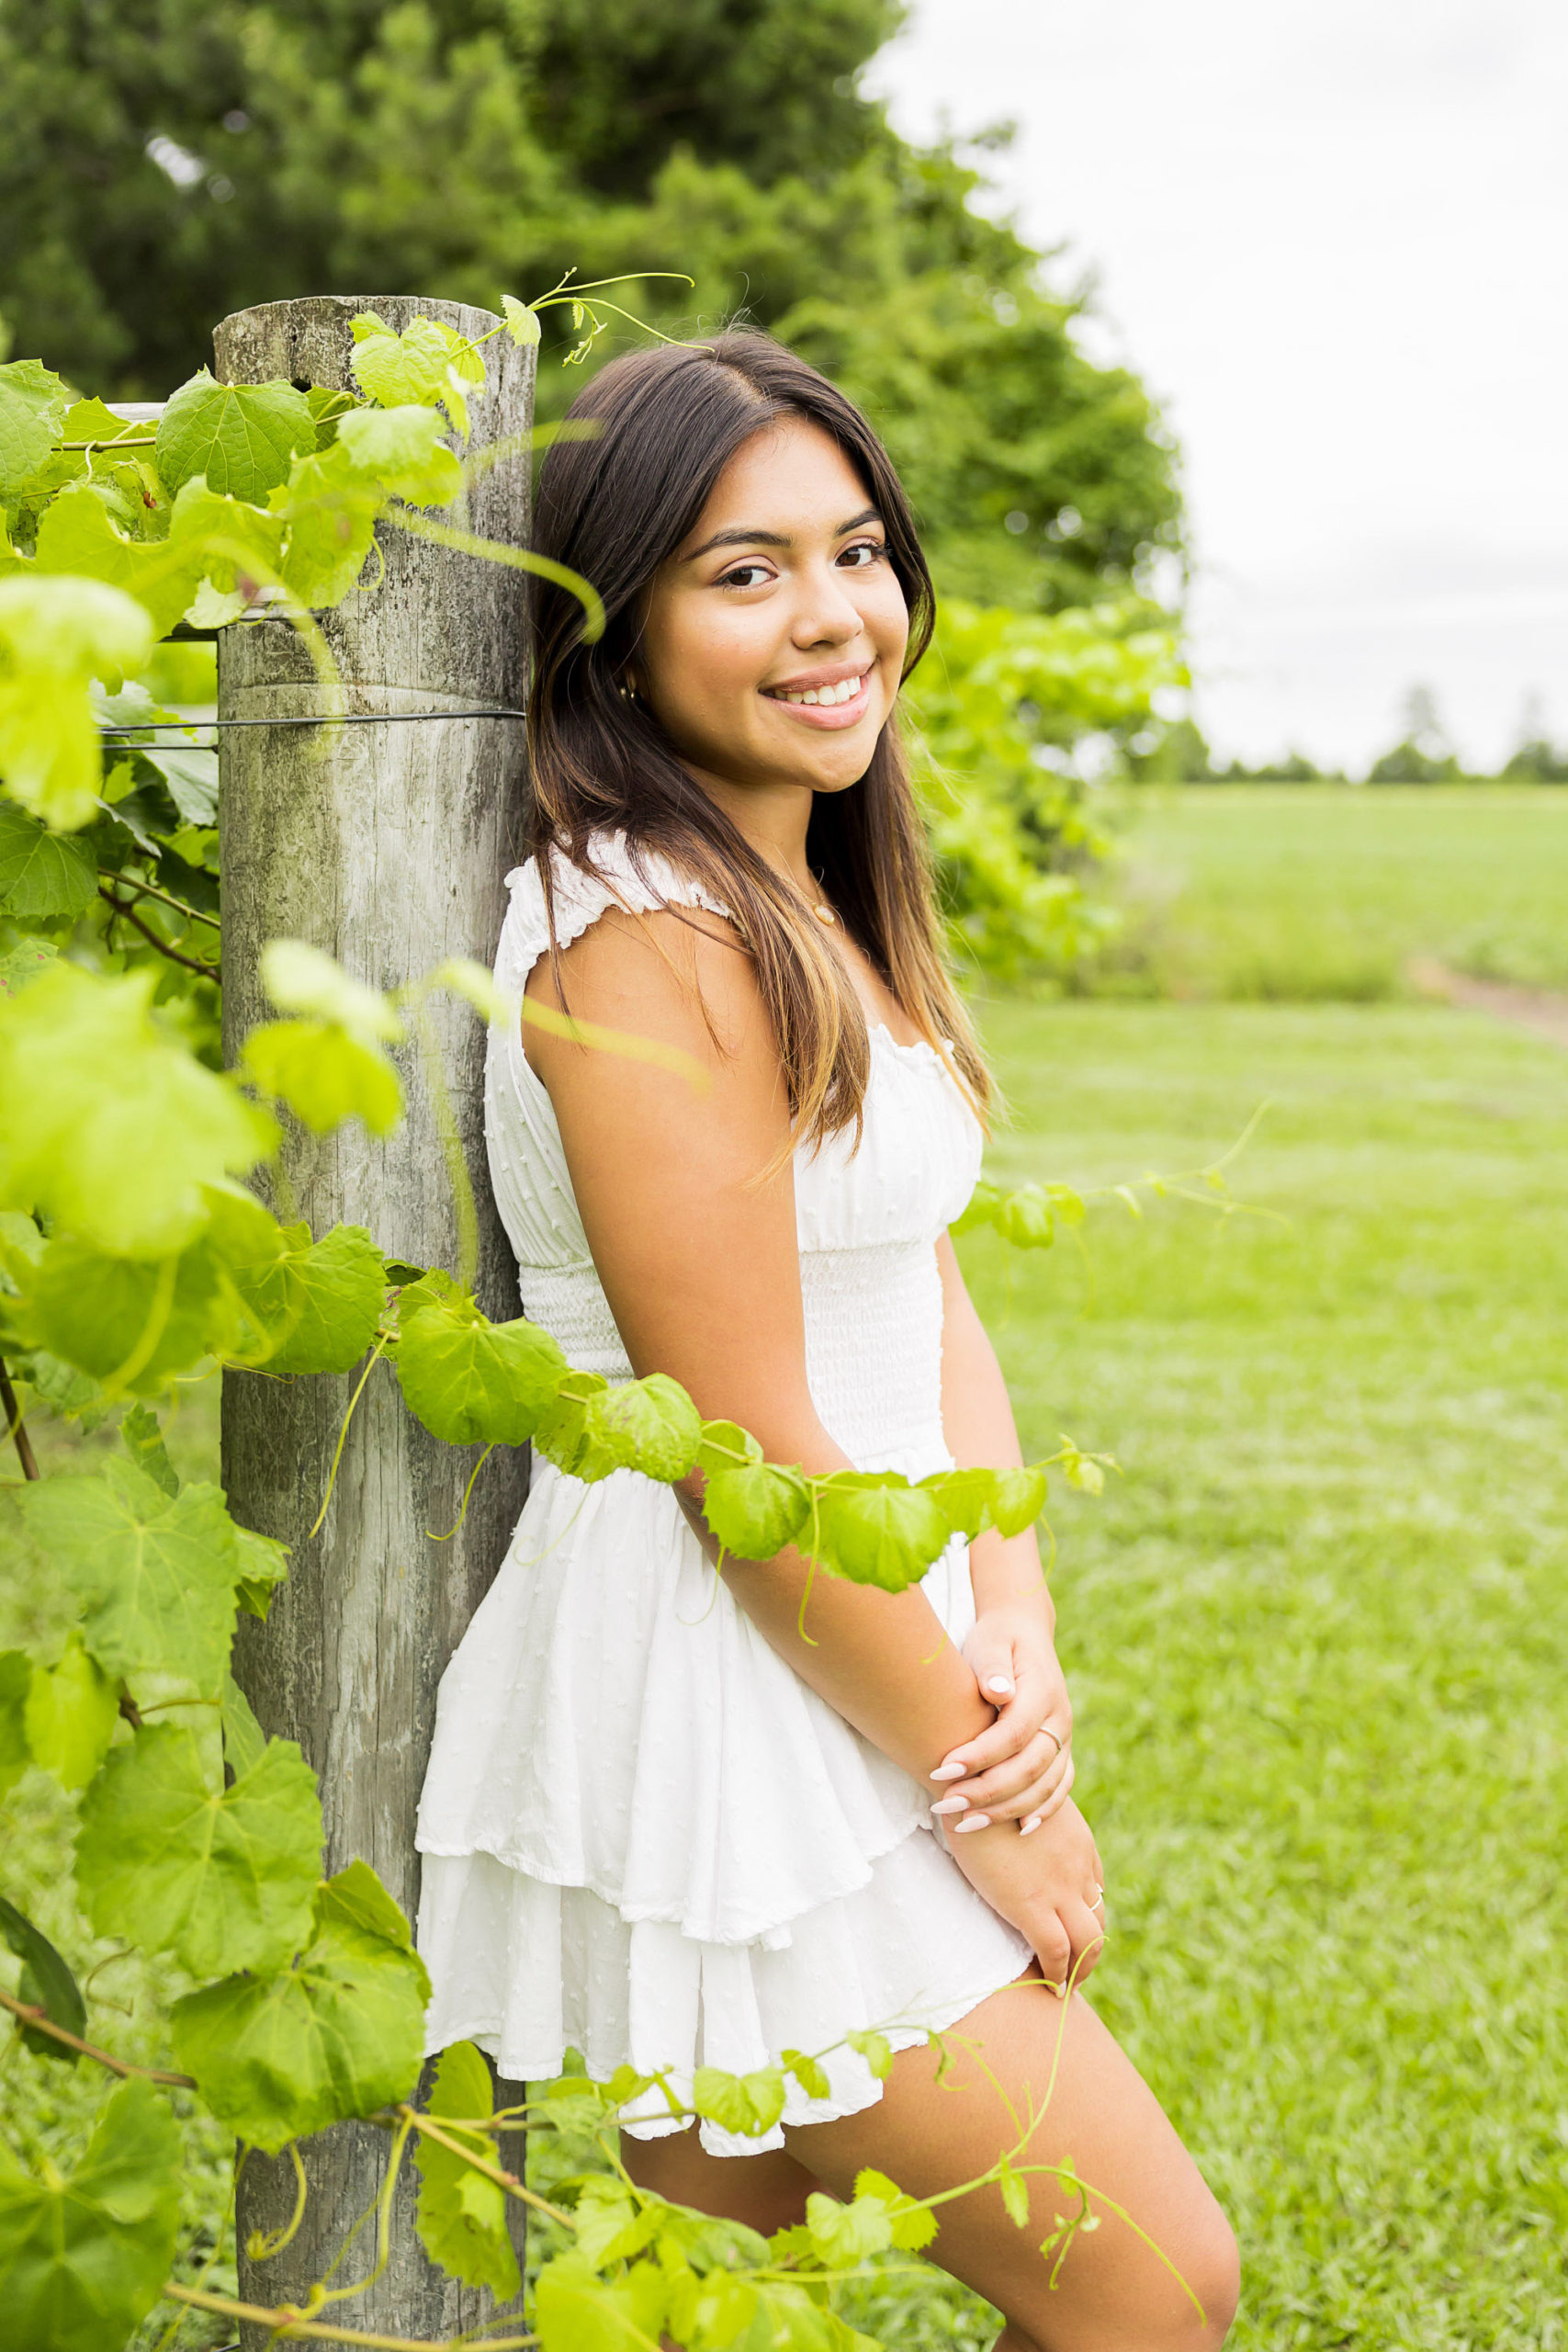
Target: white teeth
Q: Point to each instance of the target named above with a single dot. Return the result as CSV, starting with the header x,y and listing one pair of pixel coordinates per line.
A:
x,y
845,691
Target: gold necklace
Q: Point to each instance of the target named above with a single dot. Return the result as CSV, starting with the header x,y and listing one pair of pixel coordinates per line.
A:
x,y
824,914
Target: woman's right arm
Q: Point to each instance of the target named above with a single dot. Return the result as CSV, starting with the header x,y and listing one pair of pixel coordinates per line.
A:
x,y
699,1263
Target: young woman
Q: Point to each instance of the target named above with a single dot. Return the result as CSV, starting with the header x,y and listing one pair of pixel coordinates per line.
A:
x,y
665,1820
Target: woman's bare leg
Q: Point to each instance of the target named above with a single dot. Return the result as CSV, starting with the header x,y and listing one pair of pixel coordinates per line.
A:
x,y
1112,2293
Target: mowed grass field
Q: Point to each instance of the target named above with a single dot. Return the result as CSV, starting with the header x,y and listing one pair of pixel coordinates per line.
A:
x,y
1304,892
1317,1628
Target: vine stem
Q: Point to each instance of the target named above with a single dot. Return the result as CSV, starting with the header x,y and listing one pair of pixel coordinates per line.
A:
x,y
503,2180
283,2321
164,898
204,971
16,1427
31,2014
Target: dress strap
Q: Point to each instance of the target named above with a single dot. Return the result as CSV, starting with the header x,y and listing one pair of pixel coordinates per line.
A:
x,y
639,882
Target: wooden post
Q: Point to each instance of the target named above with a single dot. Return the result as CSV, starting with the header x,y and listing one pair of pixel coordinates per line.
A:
x,y
386,846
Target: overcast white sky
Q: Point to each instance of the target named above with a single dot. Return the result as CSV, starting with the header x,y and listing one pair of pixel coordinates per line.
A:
x,y
1334,238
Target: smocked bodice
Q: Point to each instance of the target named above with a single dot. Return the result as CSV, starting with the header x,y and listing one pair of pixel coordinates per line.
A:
x,y
866,1219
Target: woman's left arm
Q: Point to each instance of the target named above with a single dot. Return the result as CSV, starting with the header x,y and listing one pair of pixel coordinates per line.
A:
x,y
1021,1768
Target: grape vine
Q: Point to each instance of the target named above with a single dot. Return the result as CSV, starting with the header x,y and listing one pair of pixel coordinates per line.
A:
x,y
133,1259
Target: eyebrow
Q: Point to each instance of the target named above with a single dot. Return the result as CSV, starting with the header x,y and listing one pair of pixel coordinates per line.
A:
x,y
750,539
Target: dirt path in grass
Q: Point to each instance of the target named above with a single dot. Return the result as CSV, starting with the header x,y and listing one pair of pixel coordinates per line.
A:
x,y
1543,1012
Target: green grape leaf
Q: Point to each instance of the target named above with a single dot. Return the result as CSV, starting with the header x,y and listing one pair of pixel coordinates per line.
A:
x,y
1015,2194
78,534
875,2049
877,1532
15,1673
403,450
1024,1218
46,1984
1020,1500
752,2103
522,323
1066,1204
56,636
33,404
264,1564
564,1432
809,2072
190,771
842,2235
576,2311
1082,1470
42,875
240,437
324,1074
470,1381
23,963
726,1446
649,1425
70,1714
914,2225
394,369
328,510
143,1441
965,1498
240,545
461,2214
984,1203
610,2225
101,1312
156,1575
303,980
333,1293
224,1879
243,1738
125,1127
756,1510
84,2256
356,1899
337,2034
68,1392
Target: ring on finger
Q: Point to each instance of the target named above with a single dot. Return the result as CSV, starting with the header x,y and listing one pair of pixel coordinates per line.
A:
x,y
1061,1742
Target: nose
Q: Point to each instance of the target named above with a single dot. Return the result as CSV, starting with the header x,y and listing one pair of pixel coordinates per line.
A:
x,y
828,614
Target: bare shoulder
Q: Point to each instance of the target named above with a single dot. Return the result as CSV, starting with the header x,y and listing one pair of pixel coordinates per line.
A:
x,y
680,975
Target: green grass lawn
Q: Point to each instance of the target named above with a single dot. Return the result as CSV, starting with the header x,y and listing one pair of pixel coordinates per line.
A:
x,y
1306,892
1318,1630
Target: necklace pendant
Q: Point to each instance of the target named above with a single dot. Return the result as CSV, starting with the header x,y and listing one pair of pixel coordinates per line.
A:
x,y
825,914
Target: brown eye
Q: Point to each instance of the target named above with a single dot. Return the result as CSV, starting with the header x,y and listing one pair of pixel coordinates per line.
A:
x,y
870,549
745,576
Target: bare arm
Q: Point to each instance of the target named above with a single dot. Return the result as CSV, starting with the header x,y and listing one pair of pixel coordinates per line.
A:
x,y
1017,1770
700,1263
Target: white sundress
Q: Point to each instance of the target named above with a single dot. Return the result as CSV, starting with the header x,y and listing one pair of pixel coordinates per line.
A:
x,y
643,1837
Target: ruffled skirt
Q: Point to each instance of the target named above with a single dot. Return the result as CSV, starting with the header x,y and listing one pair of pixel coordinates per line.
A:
x,y
645,1839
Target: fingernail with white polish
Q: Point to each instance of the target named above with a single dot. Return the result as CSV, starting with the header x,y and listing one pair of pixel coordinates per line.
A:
x,y
999,1682
1032,1822
973,1821
950,1804
947,1772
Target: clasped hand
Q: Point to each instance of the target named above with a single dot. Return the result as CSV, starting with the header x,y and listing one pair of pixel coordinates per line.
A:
x,y
1021,1768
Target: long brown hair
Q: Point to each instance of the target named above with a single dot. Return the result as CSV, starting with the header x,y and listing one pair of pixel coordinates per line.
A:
x,y
614,506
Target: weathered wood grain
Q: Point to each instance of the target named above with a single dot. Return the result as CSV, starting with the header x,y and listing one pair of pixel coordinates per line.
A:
x,y
386,846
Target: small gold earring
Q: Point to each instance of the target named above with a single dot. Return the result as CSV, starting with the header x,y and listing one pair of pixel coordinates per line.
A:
x,y
627,692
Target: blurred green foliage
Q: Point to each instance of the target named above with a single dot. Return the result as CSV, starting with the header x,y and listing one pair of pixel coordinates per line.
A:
x,y
165,162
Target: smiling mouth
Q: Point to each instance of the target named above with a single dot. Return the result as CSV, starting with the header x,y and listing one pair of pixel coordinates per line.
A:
x,y
818,698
